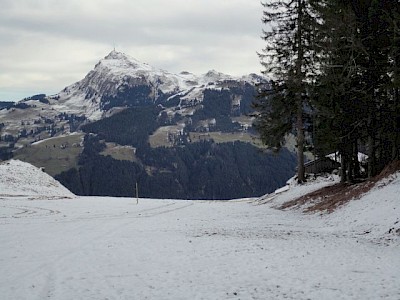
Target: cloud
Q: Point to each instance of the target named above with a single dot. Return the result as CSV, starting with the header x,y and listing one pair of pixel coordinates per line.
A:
x,y
48,44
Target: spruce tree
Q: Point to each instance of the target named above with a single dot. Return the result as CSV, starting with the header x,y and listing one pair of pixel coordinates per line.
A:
x,y
357,88
288,60
339,94
394,73
377,22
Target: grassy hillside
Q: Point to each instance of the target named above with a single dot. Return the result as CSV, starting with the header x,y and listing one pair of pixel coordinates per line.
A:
x,y
164,137
56,154
119,152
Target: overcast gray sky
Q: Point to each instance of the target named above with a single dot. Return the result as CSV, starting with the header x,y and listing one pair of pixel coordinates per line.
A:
x,y
46,45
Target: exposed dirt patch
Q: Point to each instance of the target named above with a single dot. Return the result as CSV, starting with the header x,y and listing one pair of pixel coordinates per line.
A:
x,y
388,171
329,198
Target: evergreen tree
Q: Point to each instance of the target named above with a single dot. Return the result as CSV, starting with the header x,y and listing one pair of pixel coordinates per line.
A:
x,y
357,92
339,94
288,59
394,71
340,58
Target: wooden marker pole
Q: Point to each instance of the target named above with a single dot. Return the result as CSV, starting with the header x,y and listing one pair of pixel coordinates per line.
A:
x,y
137,194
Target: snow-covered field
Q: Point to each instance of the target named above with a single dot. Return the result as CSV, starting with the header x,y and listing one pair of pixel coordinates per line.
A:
x,y
113,248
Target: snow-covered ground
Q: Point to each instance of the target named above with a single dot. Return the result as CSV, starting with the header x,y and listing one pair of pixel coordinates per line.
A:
x,y
114,248
19,178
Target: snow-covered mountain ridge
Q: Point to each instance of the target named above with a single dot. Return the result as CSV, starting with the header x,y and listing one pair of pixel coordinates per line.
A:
x,y
118,72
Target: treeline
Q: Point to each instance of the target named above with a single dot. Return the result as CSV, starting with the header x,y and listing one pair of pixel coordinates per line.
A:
x,y
6,152
129,127
6,104
127,97
335,80
203,170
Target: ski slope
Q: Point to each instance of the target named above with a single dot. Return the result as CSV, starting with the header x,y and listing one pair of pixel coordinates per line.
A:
x,y
114,248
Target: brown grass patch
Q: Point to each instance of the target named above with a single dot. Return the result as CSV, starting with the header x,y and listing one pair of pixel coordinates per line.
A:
x,y
329,198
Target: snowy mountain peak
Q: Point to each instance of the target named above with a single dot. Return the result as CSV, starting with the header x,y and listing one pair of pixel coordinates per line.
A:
x,y
116,55
214,75
118,61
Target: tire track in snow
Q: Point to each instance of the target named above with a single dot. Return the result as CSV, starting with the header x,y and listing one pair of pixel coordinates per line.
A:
x,y
28,212
144,213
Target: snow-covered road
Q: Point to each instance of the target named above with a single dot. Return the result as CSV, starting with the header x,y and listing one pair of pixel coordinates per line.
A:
x,y
111,248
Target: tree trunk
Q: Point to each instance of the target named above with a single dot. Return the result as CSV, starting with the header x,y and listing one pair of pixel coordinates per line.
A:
x,y
350,167
371,156
300,145
396,141
343,167
299,100
356,165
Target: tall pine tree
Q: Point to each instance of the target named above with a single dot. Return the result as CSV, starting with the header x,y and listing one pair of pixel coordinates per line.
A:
x,y
339,94
358,80
288,59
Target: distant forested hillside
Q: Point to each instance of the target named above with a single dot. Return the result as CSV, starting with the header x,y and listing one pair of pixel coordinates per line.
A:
x,y
202,170
6,104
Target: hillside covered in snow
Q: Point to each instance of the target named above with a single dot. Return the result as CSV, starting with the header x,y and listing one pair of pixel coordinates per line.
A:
x,y
121,248
19,178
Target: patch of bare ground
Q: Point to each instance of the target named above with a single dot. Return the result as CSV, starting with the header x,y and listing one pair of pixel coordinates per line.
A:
x,y
329,198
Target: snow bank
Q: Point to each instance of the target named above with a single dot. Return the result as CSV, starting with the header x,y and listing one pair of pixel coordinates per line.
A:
x,y
19,178
376,214
293,190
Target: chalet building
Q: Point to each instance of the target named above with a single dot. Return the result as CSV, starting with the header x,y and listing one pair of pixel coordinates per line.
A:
x,y
321,165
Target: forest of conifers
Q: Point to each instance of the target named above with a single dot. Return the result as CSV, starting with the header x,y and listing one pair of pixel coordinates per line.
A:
x,y
334,67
